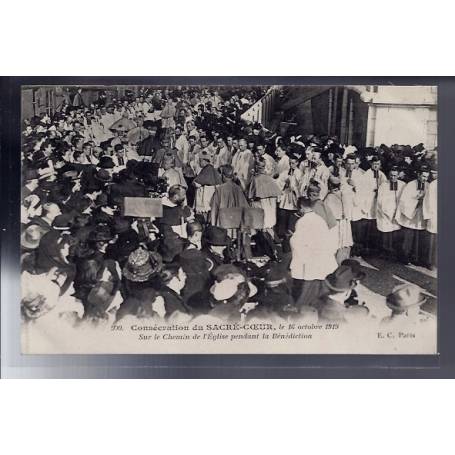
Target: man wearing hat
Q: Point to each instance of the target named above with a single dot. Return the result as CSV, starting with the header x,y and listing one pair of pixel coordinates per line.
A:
x,y
411,219
331,306
405,301
216,241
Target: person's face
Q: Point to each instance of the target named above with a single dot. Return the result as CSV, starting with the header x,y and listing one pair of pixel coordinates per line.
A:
x,y
423,177
243,145
293,163
178,132
192,141
339,162
204,142
316,157
166,143
197,237
376,165
235,143
220,143
393,176
55,211
229,141
308,154
140,121
350,164
260,150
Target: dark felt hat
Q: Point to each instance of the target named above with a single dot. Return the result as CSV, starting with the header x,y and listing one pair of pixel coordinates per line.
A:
x,y
216,236
343,278
106,162
103,176
100,234
63,222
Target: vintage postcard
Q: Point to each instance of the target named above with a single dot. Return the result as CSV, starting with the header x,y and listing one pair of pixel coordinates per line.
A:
x,y
229,219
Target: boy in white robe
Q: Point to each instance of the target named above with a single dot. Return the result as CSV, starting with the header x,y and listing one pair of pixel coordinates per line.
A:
x,y
389,194
410,218
430,214
373,178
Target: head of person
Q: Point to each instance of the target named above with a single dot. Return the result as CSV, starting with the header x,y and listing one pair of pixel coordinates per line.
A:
x,y
178,131
177,194
394,174
314,191
304,205
194,232
204,142
173,277
51,211
344,279
220,143
243,145
405,299
260,150
281,151
423,175
375,164
235,143
351,162
293,162
229,140
192,140
309,153
227,172
316,155
339,161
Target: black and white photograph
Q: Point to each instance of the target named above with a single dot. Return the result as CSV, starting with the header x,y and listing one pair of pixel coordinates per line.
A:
x,y
285,219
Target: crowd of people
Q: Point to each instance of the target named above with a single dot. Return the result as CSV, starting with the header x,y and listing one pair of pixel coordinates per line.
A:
x,y
167,204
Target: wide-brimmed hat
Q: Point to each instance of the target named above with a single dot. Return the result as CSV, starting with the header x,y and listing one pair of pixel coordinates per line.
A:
x,y
404,296
101,234
227,288
63,222
343,278
217,236
141,265
103,176
31,237
275,274
106,162
120,225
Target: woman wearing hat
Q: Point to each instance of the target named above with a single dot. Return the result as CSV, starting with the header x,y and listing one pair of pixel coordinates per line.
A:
x,y
230,294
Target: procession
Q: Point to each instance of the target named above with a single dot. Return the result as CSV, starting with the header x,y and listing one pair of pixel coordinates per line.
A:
x,y
170,204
